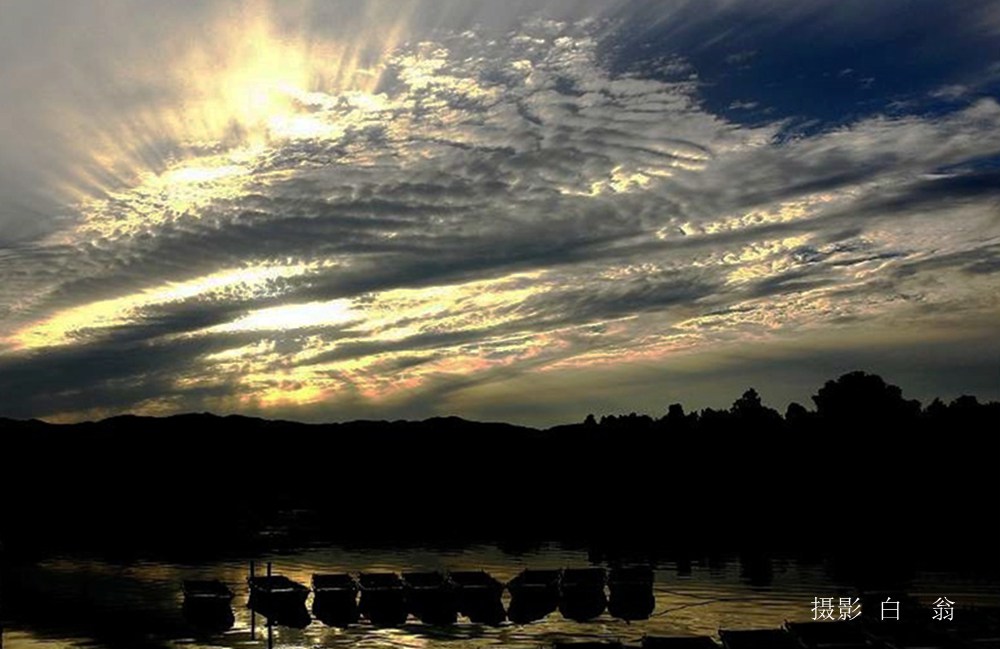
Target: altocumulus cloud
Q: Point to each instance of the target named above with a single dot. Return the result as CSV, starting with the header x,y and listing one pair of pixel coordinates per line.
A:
x,y
447,207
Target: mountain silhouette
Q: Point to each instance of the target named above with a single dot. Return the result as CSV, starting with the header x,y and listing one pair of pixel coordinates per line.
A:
x,y
866,466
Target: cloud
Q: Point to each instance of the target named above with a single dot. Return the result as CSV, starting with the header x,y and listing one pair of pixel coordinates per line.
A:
x,y
457,207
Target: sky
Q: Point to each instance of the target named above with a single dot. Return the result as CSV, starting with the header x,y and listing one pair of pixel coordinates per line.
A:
x,y
519,211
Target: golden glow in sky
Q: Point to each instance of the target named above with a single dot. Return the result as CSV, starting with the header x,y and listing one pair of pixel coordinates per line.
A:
x,y
297,207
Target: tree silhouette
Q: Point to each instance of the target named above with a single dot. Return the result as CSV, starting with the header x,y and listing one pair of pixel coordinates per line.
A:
x,y
796,415
861,398
748,409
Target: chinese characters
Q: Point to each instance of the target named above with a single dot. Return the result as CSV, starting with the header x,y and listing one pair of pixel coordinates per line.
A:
x,y
848,608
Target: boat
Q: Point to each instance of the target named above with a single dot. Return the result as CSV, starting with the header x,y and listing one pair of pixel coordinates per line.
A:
x,y
829,635
906,634
335,599
533,595
587,644
758,639
477,594
278,589
430,597
631,593
678,642
206,591
978,626
383,600
280,600
207,606
581,593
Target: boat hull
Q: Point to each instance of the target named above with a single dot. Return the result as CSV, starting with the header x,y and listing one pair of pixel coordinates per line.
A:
x,y
384,607
208,616
336,608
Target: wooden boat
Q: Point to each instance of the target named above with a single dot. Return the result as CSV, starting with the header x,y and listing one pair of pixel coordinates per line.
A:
x,y
278,588
280,599
383,600
335,599
587,644
631,593
828,635
477,595
758,639
207,606
581,593
533,595
430,598
678,642
904,634
979,626
206,590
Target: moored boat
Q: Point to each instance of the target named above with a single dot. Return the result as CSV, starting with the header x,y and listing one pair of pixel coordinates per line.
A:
x,y
758,639
587,644
906,634
533,595
383,601
631,593
829,635
207,606
430,598
208,590
478,596
581,593
335,599
679,642
279,599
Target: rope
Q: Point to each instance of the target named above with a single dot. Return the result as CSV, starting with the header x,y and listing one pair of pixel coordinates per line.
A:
x,y
706,602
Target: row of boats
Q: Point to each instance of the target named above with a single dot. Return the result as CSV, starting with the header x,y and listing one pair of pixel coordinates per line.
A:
x,y
435,598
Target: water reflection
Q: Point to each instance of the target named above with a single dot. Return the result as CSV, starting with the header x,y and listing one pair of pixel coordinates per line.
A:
x,y
106,605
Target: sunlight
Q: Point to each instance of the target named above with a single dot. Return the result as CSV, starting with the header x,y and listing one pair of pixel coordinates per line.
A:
x,y
234,90
195,174
294,316
80,322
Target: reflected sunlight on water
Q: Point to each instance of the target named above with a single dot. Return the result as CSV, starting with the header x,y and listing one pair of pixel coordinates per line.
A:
x,y
73,602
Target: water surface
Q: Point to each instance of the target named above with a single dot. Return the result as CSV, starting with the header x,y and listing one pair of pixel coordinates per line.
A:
x,y
74,602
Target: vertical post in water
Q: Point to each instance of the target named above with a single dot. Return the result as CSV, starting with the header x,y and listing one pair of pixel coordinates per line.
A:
x,y
1,596
270,634
253,613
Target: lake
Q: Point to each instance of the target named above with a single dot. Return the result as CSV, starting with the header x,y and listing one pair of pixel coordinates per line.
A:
x,y
102,604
